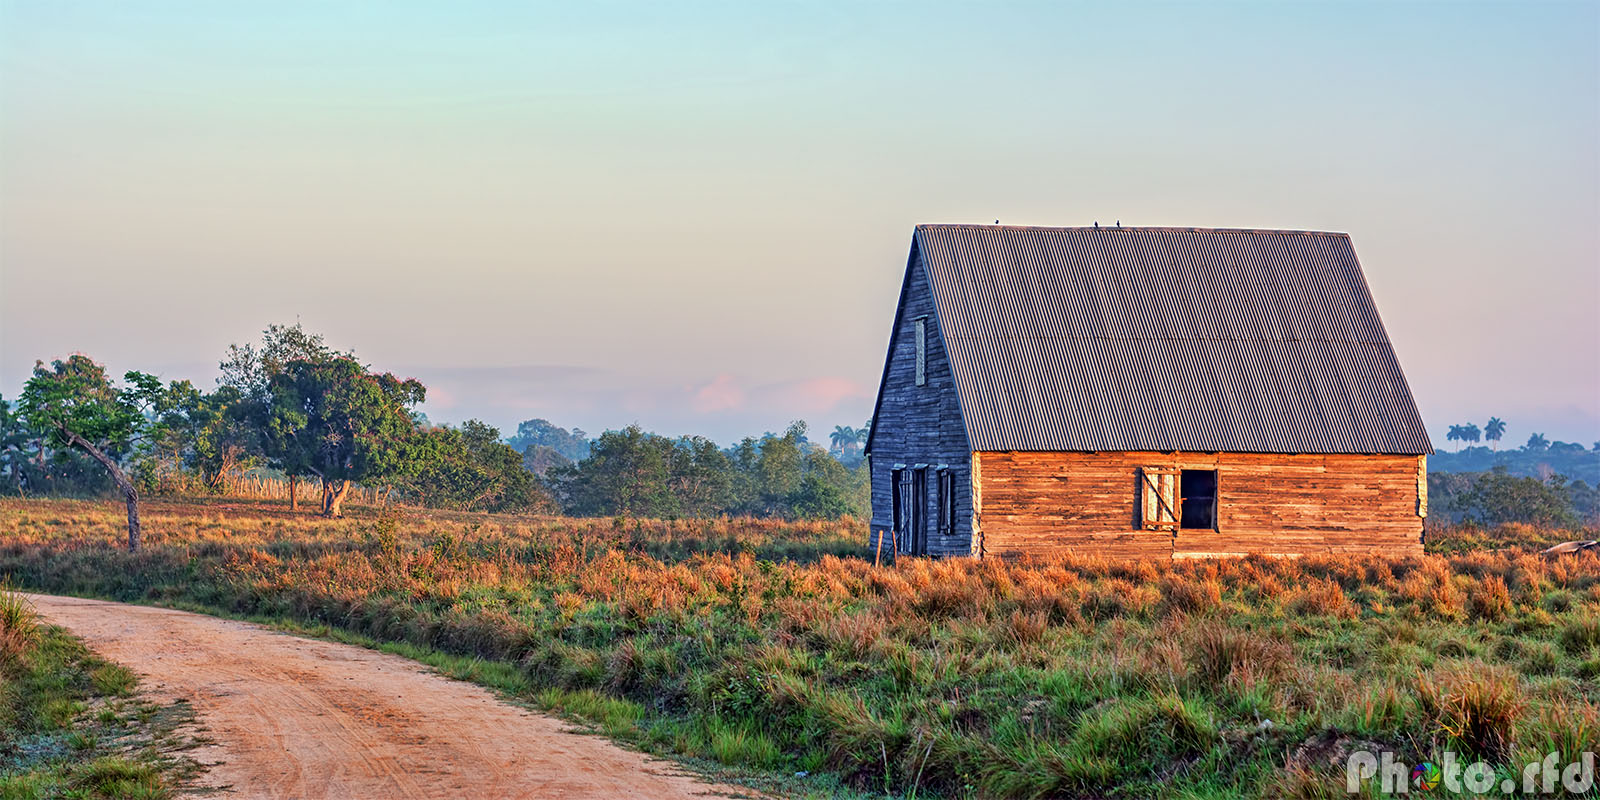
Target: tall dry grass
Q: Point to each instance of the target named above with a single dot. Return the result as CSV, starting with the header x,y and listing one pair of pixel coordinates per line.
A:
x,y
782,646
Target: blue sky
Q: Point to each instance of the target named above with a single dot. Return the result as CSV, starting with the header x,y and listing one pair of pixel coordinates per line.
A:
x,y
695,216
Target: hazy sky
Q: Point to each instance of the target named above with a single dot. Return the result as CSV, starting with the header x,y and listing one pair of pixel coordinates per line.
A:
x,y
696,217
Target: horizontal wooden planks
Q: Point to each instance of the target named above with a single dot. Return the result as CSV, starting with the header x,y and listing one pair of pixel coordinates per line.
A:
x,y
1056,503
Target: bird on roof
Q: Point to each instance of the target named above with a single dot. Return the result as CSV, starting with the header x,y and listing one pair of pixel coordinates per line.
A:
x,y
1097,224
1119,223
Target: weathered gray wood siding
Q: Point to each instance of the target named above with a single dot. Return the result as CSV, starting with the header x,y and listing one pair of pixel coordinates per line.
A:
x,y
920,424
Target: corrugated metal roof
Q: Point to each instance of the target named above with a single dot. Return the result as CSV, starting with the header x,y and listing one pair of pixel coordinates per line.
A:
x,y
1111,339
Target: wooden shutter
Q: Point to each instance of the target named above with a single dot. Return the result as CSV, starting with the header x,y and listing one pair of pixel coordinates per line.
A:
x,y
1158,498
1422,486
947,502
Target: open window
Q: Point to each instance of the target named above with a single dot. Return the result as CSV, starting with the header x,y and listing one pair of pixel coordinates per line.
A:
x,y
1199,490
922,350
1158,498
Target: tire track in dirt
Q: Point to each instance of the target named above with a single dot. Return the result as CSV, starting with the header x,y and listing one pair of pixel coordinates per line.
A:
x,y
301,718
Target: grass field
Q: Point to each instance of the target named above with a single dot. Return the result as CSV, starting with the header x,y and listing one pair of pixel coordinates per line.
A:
x,y
71,725
779,648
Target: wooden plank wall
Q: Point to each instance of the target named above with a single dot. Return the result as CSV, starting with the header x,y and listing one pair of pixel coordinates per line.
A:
x,y
1086,503
921,424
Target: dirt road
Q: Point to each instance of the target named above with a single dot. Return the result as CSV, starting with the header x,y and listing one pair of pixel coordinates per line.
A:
x,y
300,718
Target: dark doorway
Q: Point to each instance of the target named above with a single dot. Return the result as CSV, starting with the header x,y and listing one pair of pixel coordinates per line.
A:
x,y
1199,489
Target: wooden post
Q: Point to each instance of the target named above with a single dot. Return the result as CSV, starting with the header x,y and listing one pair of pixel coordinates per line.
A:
x,y
877,556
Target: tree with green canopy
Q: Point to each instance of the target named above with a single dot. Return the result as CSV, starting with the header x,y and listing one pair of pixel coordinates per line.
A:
x,y
626,472
76,405
340,422
573,445
248,371
469,468
1537,443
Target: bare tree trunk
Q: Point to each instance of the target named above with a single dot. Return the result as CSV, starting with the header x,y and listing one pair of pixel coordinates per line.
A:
x,y
294,502
129,491
333,502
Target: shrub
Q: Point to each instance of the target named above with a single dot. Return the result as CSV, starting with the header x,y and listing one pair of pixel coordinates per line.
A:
x,y
1190,595
1580,635
1489,598
1218,655
1321,598
1476,706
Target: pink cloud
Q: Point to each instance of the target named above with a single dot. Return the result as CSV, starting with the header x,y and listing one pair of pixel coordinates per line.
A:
x,y
440,398
823,394
721,394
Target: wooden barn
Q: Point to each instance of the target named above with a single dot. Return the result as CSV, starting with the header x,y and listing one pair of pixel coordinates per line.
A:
x,y
1142,392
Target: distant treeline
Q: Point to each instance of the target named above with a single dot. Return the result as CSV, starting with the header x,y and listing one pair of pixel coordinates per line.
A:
x,y
1559,458
638,473
294,408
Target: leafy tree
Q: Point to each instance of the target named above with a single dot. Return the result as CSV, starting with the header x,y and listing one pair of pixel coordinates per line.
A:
x,y
701,477
249,371
781,468
541,459
22,452
572,445
206,435
76,405
626,472
225,437
468,468
340,422
1494,429
824,491
1496,497
1537,443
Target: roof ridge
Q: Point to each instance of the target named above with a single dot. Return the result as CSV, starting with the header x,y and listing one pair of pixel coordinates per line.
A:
x,y
1124,228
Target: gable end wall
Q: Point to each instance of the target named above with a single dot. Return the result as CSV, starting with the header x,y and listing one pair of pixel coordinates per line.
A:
x,y
920,424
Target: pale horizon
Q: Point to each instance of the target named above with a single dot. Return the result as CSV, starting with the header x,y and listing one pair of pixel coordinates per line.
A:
x,y
696,219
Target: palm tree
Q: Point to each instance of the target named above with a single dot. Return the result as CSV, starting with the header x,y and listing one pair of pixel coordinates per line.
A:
x,y
1494,429
1537,442
843,438
1457,433
1470,432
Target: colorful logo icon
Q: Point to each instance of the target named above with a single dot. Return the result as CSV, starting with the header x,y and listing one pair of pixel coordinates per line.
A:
x,y
1426,775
